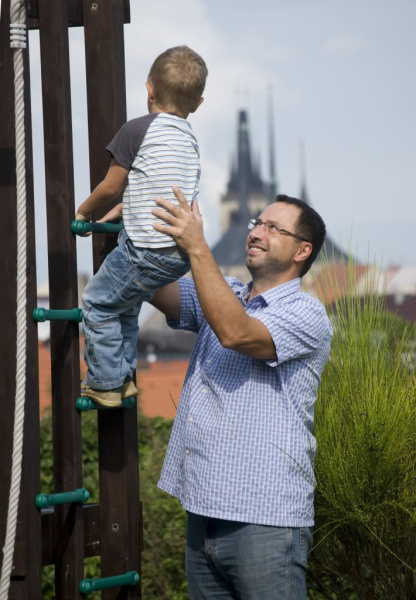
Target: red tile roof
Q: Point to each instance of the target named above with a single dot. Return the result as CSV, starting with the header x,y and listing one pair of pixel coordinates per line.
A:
x,y
160,384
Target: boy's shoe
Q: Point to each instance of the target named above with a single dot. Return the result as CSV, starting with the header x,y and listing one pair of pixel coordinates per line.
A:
x,y
129,390
110,398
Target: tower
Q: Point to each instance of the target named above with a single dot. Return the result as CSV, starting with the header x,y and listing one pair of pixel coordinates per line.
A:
x,y
247,195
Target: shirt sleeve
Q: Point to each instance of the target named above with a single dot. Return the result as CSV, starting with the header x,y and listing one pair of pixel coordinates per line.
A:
x,y
297,329
126,143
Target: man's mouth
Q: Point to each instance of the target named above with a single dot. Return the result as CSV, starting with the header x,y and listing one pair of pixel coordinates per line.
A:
x,y
256,249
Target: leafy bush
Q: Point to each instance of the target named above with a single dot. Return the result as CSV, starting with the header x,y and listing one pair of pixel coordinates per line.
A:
x,y
365,426
163,574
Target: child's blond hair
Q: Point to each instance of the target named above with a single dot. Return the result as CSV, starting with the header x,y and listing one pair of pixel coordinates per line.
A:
x,y
178,79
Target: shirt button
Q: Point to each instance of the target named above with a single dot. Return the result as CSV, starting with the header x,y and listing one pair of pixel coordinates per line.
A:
x,y
187,451
191,419
204,390
208,361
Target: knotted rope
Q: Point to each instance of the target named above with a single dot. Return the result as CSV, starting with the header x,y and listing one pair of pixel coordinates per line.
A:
x,y
18,43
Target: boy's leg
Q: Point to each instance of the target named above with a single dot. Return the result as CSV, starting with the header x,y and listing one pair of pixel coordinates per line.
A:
x,y
110,301
111,304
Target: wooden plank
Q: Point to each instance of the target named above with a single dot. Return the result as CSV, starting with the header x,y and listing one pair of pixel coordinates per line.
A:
x,y
117,429
106,93
26,573
91,517
67,442
75,13
120,514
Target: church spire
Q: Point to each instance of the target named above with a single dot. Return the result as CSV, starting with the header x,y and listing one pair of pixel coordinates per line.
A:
x,y
302,161
272,172
244,165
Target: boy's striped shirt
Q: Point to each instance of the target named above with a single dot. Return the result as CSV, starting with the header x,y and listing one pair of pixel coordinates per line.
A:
x,y
159,150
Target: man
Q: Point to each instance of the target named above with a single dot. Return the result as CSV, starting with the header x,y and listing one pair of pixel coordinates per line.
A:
x,y
240,457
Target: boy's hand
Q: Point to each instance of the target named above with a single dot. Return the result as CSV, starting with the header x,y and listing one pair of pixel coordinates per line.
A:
x,y
81,217
114,215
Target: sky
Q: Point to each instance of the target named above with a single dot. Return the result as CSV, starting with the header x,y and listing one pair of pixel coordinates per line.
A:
x,y
342,74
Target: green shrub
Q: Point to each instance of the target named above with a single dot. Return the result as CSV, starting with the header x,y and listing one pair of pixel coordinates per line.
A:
x,y
163,574
365,426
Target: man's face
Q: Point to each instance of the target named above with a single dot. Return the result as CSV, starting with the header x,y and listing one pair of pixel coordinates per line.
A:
x,y
271,253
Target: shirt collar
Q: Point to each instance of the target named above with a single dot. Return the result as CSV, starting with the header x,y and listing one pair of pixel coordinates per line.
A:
x,y
272,295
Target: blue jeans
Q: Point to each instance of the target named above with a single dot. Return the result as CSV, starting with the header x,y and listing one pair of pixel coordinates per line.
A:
x,y
111,304
229,560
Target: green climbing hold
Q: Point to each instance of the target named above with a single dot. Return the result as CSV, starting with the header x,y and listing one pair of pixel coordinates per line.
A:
x,y
40,315
46,500
87,586
83,227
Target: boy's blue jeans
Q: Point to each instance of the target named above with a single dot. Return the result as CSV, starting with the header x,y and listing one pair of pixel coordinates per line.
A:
x,y
111,304
227,560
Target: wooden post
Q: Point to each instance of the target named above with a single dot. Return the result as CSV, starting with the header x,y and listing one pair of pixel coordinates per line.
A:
x,y
120,514
26,573
67,441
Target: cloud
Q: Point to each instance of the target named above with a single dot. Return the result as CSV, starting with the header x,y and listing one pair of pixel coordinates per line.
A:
x,y
346,44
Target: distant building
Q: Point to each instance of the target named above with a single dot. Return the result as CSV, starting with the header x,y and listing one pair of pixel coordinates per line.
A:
x,y
246,197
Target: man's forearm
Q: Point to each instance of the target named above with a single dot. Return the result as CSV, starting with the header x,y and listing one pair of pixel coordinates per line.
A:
x,y
221,308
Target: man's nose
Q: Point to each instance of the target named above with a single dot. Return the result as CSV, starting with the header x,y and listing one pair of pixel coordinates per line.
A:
x,y
256,233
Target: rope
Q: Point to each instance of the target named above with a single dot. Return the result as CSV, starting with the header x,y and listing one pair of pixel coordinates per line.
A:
x,y
18,42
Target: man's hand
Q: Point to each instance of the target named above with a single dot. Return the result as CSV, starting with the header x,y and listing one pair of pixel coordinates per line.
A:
x,y
184,223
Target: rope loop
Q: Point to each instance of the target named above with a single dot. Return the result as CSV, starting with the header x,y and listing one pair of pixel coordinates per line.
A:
x,y
17,35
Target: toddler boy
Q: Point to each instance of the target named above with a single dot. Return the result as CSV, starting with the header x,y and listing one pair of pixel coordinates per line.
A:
x,y
149,154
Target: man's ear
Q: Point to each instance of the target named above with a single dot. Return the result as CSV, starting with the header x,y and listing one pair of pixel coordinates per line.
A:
x,y
304,252
200,101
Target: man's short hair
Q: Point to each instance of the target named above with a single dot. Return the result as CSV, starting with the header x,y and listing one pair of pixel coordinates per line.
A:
x,y
309,225
178,78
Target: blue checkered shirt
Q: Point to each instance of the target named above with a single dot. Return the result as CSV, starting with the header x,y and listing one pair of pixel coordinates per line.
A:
x,y
242,445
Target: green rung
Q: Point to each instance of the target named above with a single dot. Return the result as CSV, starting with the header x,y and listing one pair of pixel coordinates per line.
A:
x,y
45,500
42,314
85,403
87,586
83,227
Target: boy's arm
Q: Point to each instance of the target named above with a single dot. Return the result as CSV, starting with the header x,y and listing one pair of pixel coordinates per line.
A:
x,y
114,214
106,192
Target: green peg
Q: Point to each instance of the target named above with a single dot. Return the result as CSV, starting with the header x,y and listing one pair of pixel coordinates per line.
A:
x,y
87,586
84,403
40,315
83,227
46,500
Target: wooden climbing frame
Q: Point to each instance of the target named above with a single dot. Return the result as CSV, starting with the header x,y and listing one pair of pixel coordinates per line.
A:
x,y
66,533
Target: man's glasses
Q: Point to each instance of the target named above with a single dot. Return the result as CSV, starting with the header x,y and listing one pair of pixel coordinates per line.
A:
x,y
273,229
